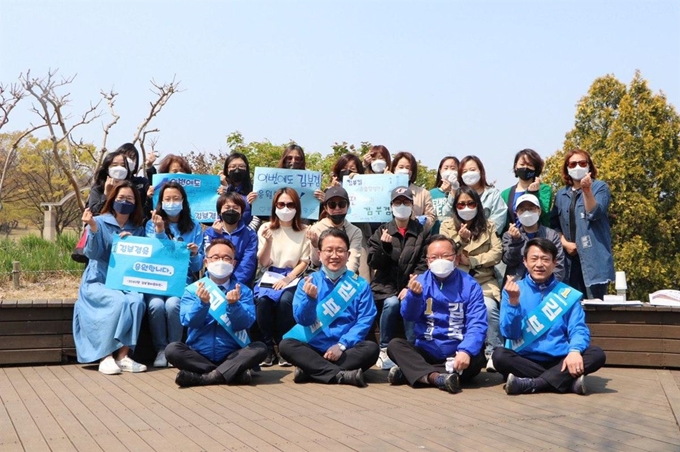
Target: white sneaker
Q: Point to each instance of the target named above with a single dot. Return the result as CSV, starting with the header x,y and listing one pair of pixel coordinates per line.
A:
x,y
108,366
489,366
160,360
384,361
127,364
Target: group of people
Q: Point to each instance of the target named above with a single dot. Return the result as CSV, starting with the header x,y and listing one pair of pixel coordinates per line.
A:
x,y
463,277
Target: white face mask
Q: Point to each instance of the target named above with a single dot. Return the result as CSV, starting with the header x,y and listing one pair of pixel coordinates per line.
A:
x,y
402,171
401,212
471,178
378,166
441,268
131,164
578,173
118,172
285,214
528,218
467,214
220,269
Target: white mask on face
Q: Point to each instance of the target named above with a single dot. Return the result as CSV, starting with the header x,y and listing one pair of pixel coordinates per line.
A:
x,y
467,214
131,164
401,212
118,172
578,173
285,214
441,268
378,166
528,218
471,178
402,171
220,269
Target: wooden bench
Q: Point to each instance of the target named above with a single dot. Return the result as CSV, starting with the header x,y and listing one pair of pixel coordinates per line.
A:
x,y
640,336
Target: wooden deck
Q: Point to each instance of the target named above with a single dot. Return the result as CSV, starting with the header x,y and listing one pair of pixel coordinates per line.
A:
x,y
74,407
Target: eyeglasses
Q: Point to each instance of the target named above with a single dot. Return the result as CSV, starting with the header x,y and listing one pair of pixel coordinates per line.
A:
x,y
464,204
581,163
126,198
281,205
216,258
336,204
338,251
447,256
236,167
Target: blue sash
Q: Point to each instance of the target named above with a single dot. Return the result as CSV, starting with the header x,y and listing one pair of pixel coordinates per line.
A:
x,y
218,309
344,293
545,315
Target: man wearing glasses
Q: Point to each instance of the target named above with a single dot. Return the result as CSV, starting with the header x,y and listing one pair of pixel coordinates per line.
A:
x,y
217,350
334,309
447,308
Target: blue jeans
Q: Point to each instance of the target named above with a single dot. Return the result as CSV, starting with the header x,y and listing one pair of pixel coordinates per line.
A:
x,y
164,320
389,319
493,333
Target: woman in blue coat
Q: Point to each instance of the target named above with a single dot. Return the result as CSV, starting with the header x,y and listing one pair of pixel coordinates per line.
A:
x,y
106,321
580,215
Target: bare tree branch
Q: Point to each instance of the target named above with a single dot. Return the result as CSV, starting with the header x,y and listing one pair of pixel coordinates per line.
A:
x,y
9,98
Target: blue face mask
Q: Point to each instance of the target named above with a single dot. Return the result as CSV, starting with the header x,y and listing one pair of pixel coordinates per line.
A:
x,y
124,207
333,276
172,208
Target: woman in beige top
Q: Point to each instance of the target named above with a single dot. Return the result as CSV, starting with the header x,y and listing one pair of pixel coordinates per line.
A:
x,y
283,249
423,209
479,249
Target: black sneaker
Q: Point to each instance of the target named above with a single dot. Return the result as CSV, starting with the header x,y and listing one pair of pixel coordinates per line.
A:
x,y
351,377
396,376
187,379
450,383
579,385
244,378
517,385
283,362
300,376
270,360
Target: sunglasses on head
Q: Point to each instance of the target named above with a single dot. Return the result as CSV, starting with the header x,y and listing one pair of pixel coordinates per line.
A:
x,y
464,204
281,205
581,163
336,204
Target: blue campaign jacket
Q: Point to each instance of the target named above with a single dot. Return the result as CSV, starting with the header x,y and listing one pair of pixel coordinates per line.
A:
x,y
593,235
208,337
245,242
193,236
568,333
458,319
349,327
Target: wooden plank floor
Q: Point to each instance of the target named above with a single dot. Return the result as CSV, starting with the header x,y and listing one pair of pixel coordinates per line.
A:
x,y
74,407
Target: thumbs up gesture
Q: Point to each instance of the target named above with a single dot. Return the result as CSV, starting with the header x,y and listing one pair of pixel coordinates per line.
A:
x,y
310,289
234,295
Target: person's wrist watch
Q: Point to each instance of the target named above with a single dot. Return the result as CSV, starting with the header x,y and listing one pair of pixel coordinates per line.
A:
x,y
342,347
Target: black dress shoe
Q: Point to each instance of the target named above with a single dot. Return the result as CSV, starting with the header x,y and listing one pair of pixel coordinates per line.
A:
x,y
300,376
351,377
187,379
244,378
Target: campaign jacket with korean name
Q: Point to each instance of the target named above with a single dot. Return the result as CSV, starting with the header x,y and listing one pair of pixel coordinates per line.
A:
x,y
458,319
568,333
349,326
205,334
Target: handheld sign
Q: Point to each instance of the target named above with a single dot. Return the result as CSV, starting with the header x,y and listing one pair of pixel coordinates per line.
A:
x,y
148,265
201,193
268,180
369,196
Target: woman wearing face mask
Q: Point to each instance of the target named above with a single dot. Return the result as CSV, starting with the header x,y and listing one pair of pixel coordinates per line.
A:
x,y
423,210
471,174
580,216
445,184
528,166
528,211
283,248
236,177
346,167
377,160
395,252
293,157
479,250
231,226
141,183
172,221
112,172
106,321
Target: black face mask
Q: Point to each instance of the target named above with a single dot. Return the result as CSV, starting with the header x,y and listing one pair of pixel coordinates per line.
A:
x,y
338,219
344,173
237,176
230,216
525,173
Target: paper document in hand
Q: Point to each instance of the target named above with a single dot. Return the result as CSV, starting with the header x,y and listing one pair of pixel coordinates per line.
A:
x,y
269,278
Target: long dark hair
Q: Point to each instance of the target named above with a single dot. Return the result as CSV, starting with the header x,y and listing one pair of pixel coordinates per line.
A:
x,y
247,184
184,223
137,216
103,171
291,148
275,222
342,163
478,224
130,150
438,180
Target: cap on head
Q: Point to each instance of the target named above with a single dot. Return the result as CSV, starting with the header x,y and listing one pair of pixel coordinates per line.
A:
x,y
335,192
527,198
402,192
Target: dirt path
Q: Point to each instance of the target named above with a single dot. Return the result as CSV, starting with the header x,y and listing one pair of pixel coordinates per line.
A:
x,y
59,288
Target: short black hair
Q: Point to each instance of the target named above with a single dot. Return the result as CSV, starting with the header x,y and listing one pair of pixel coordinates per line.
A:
x,y
218,241
544,245
334,232
440,238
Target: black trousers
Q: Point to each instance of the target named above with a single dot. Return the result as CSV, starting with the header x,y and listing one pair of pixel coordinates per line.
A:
x,y
184,357
361,356
507,361
275,319
416,363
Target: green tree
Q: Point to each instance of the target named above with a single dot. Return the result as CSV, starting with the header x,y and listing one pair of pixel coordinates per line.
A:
x,y
633,137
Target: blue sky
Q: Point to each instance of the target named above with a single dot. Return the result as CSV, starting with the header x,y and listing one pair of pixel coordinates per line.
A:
x,y
431,77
